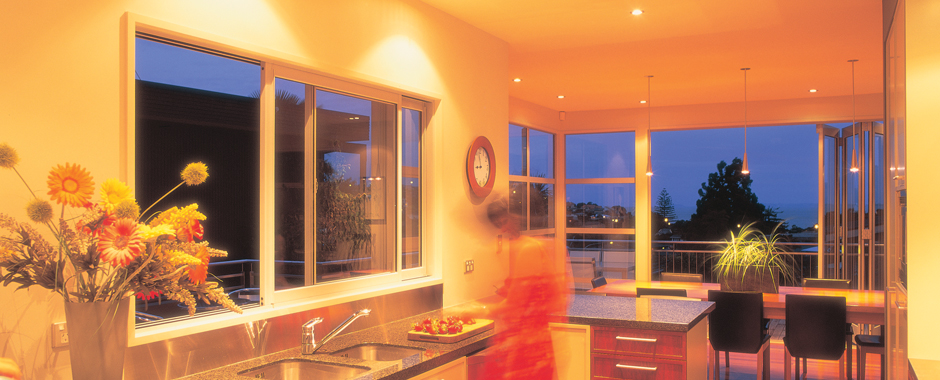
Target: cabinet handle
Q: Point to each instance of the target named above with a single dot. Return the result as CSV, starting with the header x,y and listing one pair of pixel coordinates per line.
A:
x,y
624,366
650,340
900,307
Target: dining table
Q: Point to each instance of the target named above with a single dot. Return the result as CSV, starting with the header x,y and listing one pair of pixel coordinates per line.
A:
x,y
862,306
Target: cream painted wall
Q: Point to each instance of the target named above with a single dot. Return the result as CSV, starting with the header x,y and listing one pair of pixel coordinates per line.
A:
x,y
60,102
923,137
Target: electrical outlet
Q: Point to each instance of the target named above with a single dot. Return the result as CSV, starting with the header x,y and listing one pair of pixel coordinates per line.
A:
x,y
60,335
468,266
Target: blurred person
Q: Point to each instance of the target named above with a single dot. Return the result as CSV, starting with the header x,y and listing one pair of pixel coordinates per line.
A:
x,y
535,289
9,369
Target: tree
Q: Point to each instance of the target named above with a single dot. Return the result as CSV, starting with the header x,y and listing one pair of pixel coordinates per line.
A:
x,y
664,206
725,202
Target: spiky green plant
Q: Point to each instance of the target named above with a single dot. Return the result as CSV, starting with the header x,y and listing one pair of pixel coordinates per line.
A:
x,y
752,251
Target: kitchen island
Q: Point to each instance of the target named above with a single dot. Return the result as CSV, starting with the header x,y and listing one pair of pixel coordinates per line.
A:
x,y
626,336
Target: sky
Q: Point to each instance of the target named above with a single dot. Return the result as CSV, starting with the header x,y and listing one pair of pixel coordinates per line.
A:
x,y
783,160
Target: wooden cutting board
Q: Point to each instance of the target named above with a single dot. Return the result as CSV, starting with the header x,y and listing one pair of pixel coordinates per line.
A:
x,y
468,331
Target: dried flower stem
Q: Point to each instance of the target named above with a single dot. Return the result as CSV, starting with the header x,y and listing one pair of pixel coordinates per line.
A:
x,y
158,200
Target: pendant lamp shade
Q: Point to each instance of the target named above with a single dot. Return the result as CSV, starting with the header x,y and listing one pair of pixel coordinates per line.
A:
x,y
744,168
649,130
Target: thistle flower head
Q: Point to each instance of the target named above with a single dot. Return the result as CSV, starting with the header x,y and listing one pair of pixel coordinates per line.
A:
x,y
39,210
8,157
195,173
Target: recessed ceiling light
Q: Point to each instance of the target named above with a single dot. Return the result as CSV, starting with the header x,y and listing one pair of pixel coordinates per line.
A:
x,y
517,80
637,12
812,90
561,96
642,102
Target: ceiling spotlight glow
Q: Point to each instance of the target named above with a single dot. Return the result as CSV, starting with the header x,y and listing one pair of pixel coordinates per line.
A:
x,y
812,90
561,96
517,80
636,12
642,102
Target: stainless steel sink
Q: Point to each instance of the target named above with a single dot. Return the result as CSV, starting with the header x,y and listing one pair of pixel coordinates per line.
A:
x,y
378,352
295,369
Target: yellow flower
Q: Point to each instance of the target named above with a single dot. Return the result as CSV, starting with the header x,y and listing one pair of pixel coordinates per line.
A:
x,y
179,258
195,173
71,185
39,210
8,157
128,208
152,232
114,192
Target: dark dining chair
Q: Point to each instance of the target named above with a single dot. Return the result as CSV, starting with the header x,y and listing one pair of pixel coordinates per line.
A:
x,y
681,277
815,330
640,292
737,325
869,344
598,281
835,283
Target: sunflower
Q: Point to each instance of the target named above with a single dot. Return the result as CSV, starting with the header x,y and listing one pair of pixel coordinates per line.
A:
x,y
119,243
198,273
113,192
71,185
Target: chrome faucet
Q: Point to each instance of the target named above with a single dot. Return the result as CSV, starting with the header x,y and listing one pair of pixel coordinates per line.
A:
x,y
308,344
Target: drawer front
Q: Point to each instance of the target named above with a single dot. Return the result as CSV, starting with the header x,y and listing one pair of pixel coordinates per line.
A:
x,y
655,344
639,368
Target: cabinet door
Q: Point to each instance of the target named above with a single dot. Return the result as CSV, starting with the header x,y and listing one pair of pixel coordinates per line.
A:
x,y
455,370
572,345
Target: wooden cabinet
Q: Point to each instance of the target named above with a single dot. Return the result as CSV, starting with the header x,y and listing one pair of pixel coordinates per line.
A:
x,y
620,353
572,345
455,370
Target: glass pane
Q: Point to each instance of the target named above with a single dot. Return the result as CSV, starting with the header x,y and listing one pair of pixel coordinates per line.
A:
x,y
541,205
601,206
613,256
411,189
517,202
289,183
355,168
542,154
518,150
193,106
600,155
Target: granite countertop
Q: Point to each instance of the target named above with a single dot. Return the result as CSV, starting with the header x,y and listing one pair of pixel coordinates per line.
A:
x,y
636,313
627,312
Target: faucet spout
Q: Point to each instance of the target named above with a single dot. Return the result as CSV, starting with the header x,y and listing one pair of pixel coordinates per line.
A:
x,y
308,344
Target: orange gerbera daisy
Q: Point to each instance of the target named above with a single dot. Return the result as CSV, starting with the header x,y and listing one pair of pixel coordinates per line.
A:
x,y
193,231
71,185
119,243
198,273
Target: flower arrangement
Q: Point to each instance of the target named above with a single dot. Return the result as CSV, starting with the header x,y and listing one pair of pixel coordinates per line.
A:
x,y
109,251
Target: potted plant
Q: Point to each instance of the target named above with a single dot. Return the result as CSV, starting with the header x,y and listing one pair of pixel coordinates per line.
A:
x,y
752,261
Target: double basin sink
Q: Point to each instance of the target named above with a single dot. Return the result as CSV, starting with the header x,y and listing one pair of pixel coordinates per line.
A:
x,y
289,369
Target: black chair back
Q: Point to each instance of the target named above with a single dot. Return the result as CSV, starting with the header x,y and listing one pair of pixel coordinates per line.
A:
x,y
598,281
660,292
681,277
736,325
815,326
828,283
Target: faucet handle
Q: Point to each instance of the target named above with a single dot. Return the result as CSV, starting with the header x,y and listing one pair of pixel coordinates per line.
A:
x,y
313,322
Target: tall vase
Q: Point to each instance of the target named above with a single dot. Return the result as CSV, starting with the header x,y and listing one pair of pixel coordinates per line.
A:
x,y
97,339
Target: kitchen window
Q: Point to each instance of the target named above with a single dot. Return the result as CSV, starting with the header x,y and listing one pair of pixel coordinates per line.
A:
x,y
532,178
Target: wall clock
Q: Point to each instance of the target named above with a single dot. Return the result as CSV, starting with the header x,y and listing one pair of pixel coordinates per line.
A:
x,y
481,167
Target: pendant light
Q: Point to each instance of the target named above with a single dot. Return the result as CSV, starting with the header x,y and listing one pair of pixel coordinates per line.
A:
x,y
744,168
649,130
856,145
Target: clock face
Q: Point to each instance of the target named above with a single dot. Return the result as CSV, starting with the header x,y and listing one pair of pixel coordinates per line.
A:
x,y
481,166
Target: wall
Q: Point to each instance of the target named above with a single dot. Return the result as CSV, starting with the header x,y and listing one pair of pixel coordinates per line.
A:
x,y
60,102
923,136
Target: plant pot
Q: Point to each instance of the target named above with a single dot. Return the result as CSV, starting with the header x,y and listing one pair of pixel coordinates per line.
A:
x,y
97,339
764,280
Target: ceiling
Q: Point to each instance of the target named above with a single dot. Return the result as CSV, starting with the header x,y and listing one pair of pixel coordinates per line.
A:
x,y
597,54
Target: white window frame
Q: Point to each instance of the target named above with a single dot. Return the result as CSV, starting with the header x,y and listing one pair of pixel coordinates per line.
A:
x,y
296,300
529,180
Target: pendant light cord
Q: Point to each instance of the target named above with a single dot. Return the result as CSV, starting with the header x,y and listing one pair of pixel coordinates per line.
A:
x,y
857,144
649,127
